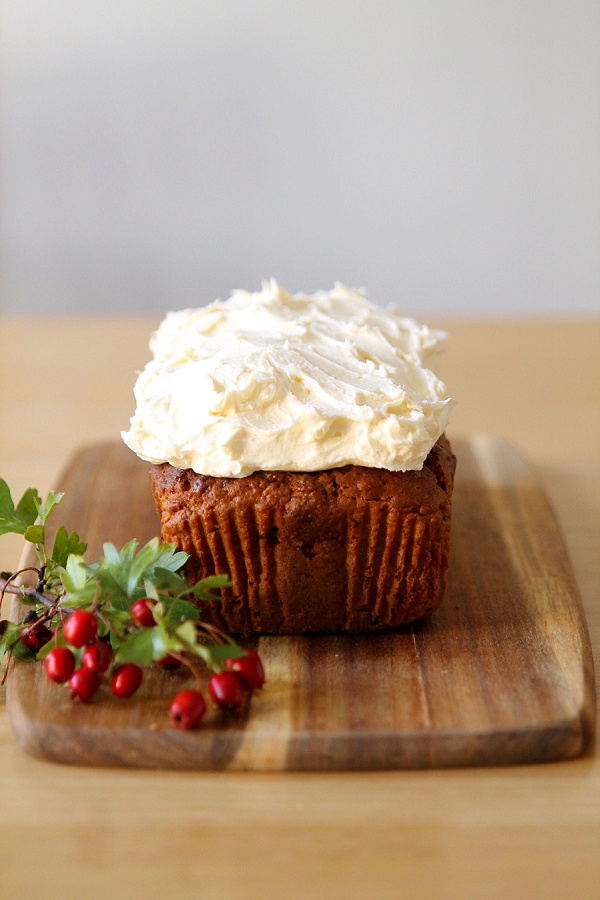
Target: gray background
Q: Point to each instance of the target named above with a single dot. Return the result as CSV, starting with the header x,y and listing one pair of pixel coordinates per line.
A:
x,y
445,155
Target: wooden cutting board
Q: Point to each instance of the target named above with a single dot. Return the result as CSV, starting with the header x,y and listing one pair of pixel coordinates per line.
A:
x,y
501,673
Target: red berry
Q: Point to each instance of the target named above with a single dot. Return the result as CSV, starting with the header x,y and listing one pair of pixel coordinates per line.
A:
x,y
169,662
248,668
226,690
127,680
97,657
84,683
80,628
60,664
187,709
35,636
141,612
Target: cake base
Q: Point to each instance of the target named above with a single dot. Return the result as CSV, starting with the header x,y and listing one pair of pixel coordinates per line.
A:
x,y
351,549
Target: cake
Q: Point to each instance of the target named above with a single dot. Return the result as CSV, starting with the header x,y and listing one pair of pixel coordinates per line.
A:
x,y
297,443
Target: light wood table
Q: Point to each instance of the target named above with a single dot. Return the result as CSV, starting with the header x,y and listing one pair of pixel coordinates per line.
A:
x,y
530,831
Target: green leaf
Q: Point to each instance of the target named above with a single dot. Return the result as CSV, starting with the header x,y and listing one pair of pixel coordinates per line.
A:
x,y
74,574
150,589
136,647
27,597
140,566
187,634
214,581
22,652
27,507
111,555
44,510
83,596
179,586
118,562
202,589
10,523
162,642
35,534
163,639
66,544
176,609
9,635
120,557
130,568
112,590
169,559
152,558
167,581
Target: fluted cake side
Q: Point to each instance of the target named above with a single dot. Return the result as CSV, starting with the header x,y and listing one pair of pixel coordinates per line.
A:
x,y
350,549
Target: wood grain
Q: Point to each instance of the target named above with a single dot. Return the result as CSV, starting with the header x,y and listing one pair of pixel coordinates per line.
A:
x,y
501,674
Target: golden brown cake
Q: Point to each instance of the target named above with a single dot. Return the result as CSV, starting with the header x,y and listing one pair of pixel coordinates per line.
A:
x,y
346,549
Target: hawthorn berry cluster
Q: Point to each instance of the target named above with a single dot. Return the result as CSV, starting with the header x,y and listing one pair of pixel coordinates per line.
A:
x,y
112,618
226,688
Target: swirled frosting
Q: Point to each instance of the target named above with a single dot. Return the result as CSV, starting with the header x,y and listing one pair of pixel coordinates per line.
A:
x,y
272,381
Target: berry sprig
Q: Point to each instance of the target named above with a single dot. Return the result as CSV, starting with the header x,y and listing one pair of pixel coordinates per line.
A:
x,y
112,618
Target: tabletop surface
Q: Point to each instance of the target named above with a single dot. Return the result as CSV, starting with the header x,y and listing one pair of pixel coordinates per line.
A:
x,y
523,831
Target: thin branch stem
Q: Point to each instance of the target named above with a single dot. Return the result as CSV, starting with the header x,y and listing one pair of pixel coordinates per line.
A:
x,y
5,583
221,636
8,665
103,619
183,658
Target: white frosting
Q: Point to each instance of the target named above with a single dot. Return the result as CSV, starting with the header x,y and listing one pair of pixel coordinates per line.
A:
x,y
272,381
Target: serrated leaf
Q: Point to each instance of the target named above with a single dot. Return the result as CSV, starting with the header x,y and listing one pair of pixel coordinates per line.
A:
x,y
136,647
118,562
6,502
66,544
202,589
170,558
162,642
112,590
122,556
112,565
83,596
27,509
111,555
165,580
10,635
44,510
23,653
35,534
150,589
158,611
177,610
9,521
27,600
74,574
163,639
214,581
152,558
142,564
186,632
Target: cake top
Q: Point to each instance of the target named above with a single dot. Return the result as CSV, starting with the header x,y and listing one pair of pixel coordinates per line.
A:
x,y
272,381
